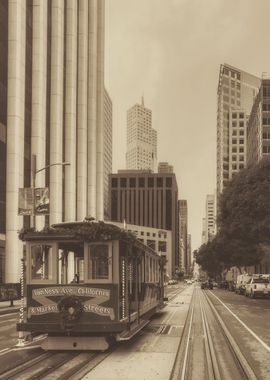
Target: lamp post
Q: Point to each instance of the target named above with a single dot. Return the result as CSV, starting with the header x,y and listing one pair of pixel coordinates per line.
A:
x,y
34,173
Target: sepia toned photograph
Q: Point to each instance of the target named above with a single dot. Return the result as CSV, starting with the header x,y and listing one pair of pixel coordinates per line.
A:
x,y
134,190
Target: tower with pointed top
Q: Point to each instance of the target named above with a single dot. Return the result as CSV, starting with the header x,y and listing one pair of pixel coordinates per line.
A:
x,y
141,139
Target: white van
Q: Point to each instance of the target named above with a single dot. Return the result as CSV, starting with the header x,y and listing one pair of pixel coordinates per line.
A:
x,y
241,281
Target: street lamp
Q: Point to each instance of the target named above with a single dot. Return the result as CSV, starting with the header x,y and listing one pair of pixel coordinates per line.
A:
x,y
34,173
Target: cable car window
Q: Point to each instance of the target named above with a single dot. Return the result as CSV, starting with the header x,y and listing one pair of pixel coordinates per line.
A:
x,y
99,262
41,262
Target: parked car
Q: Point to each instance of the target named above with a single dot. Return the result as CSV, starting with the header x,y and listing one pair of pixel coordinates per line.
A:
x,y
258,285
240,286
207,285
172,282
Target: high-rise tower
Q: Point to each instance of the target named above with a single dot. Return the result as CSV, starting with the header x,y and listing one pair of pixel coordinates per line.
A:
x,y
141,139
52,101
236,93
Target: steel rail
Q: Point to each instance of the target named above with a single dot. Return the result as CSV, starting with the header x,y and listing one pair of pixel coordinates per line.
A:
x,y
180,367
16,371
240,360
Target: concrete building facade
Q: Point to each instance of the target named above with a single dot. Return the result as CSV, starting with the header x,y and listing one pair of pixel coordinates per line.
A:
x,y
258,130
146,199
141,139
159,240
236,93
52,100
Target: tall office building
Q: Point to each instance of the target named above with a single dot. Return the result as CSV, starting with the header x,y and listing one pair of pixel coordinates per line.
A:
x,y
183,212
204,234
147,199
236,93
52,96
189,259
210,217
141,139
258,130
107,150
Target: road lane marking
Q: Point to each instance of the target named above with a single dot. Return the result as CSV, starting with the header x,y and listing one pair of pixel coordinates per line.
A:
x,y
243,324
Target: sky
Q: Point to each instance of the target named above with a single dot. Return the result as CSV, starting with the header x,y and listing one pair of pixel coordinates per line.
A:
x,y
169,52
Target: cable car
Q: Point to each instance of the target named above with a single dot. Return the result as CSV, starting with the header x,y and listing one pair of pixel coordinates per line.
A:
x,y
88,284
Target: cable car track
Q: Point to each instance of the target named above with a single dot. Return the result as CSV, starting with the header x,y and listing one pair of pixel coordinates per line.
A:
x,y
222,357
55,365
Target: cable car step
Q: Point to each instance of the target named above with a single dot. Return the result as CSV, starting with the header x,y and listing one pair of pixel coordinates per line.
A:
x,y
126,335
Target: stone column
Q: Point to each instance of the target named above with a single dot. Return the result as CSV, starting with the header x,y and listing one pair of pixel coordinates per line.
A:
x,y
15,135
100,114
56,116
39,96
70,109
92,108
82,110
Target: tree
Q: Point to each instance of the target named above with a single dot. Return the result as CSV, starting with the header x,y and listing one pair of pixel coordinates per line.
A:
x,y
244,217
245,206
206,257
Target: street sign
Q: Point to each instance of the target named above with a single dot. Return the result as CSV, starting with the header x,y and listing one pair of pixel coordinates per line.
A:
x,y
9,292
41,201
26,201
34,201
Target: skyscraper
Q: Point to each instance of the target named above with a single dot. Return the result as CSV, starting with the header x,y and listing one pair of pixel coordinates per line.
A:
x,y
141,139
148,199
210,214
183,212
52,71
258,131
236,93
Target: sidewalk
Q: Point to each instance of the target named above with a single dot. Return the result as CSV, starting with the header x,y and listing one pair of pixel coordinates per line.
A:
x,y
5,307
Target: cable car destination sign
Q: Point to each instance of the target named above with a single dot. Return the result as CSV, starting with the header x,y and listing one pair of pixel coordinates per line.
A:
x,y
93,305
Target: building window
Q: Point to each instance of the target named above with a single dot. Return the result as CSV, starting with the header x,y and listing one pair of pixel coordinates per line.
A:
x,y
114,182
234,167
241,141
151,182
234,141
151,244
141,182
162,246
234,149
241,115
168,182
234,115
234,124
123,182
132,182
234,158
159,182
